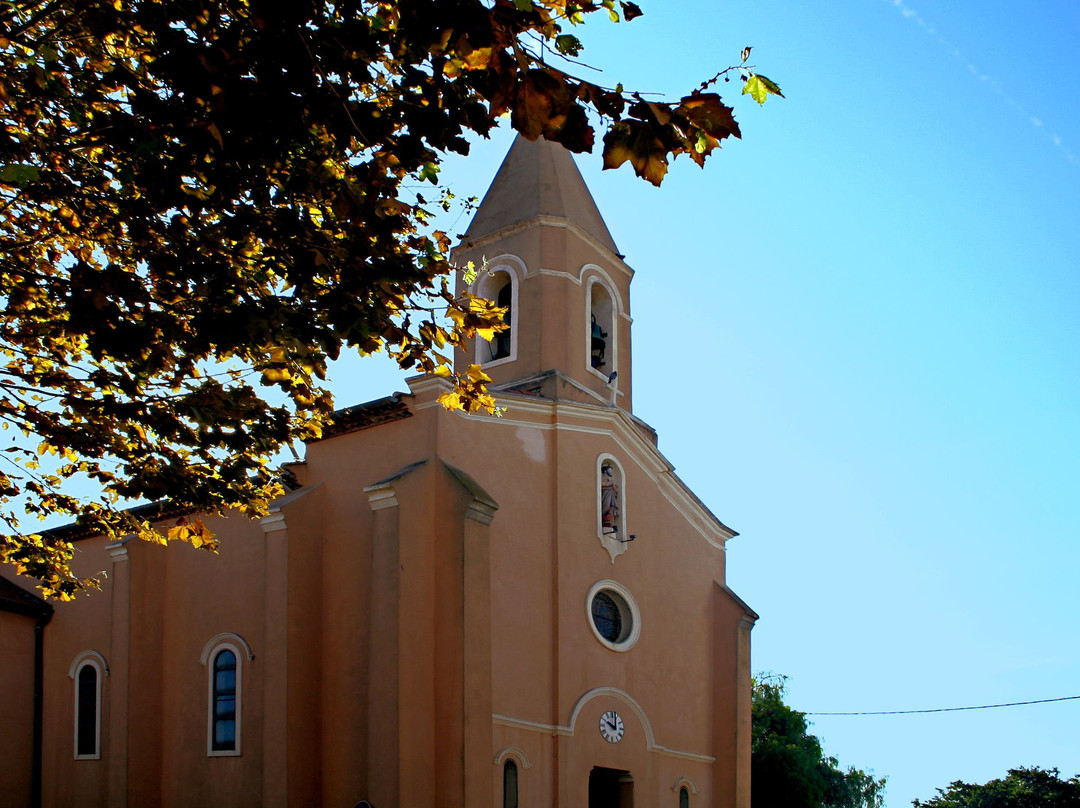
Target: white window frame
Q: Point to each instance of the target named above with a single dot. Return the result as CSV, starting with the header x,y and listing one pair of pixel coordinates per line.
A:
x,y
94,660
632,636
241,651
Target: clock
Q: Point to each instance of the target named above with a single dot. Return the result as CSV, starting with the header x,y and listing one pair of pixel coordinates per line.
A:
x,y
611,727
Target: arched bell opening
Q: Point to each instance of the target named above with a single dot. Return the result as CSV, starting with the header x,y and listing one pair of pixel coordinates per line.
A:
x,y
499,286
601,329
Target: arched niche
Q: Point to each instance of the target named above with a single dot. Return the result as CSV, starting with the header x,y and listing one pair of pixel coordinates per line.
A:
x,y
611,517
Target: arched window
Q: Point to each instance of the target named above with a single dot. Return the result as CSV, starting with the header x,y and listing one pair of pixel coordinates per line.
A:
x,y
510,784
601,326
499,286
505,300
88,711
224,657
224,702
684,797
88,671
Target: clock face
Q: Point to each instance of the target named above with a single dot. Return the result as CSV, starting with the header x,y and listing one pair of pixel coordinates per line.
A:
x,y
611,727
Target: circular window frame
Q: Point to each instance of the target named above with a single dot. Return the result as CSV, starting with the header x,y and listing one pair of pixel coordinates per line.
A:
x,y
628,608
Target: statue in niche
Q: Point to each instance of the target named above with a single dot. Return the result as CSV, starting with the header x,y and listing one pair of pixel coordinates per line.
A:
x,y
609,500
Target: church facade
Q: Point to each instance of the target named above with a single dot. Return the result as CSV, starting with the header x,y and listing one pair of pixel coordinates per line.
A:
x,y
448,610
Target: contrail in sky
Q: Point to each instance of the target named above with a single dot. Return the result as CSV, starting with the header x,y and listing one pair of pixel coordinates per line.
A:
x,y
1037,122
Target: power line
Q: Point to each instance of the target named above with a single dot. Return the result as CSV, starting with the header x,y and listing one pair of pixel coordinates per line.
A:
x,y
953,709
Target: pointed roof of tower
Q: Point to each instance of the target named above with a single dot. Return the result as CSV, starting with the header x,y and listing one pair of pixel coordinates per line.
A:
x,y
538,178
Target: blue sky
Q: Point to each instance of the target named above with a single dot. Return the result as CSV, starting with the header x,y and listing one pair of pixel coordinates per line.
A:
x,y
869,307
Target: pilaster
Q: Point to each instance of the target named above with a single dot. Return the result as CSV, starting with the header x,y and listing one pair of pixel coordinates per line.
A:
x,y
384,709
429,702
732,698
476,697
275,739
743,716
119,657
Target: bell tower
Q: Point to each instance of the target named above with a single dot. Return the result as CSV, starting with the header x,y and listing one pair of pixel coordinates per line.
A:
x,y
545,253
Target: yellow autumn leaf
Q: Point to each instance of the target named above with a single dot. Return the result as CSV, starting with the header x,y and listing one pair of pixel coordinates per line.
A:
x,y
275,375
477,375
451,400
478,59
154,537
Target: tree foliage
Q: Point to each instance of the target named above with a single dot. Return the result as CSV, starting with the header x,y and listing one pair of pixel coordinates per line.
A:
x,y
1022,788
202,202
788,766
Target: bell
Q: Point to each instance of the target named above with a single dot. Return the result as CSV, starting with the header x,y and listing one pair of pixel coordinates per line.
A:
x,y
599,344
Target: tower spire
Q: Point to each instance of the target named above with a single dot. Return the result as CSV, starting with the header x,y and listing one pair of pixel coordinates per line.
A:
x,y
550,261
538,179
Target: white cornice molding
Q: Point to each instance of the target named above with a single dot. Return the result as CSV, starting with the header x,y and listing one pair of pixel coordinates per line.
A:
x,y
618,425
548,221
531,726
593,419
558,273
579,279
421,385
570,729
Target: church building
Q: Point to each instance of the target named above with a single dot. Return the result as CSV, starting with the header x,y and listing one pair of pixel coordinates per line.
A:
x,y
448,610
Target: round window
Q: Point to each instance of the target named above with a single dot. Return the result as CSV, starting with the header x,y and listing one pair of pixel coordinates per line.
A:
x,y
613,615
607,617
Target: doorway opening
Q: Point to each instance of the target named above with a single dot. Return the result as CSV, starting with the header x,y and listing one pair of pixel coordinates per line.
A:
x,y
610,788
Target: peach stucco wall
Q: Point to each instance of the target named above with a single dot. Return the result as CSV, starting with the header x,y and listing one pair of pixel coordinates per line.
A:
x,y
16,707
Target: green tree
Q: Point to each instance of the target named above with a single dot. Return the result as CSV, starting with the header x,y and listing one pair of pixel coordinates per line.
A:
x,y
202,202
788,766
1022,788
